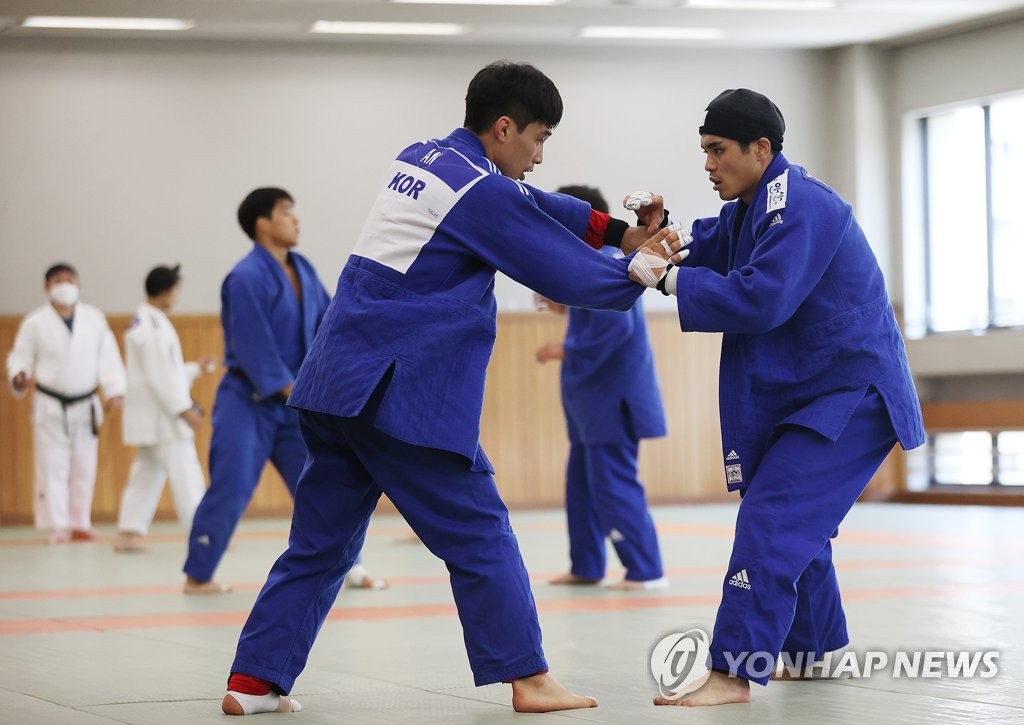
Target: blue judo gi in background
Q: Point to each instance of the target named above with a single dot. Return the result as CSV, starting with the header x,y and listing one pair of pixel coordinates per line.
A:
x,y
611,399
391,392
815,391
267,331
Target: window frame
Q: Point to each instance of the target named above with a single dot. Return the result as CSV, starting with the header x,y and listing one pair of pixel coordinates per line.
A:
x,y
926,327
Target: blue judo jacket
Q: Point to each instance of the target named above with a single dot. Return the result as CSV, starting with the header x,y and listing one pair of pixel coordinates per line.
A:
x,y
417,293
610,389
266,330
807,323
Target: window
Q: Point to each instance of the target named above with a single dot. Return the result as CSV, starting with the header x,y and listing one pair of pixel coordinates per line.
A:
x,y
1007,152
969,458
971,231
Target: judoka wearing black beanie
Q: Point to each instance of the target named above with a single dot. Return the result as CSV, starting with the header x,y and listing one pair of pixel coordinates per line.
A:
x,y
744,115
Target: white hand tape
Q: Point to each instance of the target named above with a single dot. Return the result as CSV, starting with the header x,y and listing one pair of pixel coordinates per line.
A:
x,y
638,199
684,237
648,266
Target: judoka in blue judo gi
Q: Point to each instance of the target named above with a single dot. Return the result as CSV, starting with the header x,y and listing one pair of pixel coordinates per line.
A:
x,y
272,303
612,400
815,389
390,393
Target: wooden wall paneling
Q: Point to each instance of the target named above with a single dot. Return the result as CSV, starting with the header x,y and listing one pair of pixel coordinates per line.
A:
x,y
687,463
522,425
16,463
988,415
200,334
522,429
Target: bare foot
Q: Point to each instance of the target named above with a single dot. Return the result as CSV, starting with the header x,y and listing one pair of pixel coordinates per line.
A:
x,y
237,703
128,542
630,585
720,689
194,586
81,535
543,693
58,537
571,578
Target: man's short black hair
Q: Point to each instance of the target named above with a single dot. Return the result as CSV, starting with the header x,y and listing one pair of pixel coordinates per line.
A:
x,y
259,203
57,269
161,279
588,194
516,90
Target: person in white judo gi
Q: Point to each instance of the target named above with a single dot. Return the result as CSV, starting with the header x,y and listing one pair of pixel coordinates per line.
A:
x,y
159,414
67,349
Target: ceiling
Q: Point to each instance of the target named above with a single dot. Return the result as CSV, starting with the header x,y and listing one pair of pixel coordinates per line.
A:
x,y
846,22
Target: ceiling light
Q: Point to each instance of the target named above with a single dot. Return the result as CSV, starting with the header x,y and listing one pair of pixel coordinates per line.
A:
x,y
763,4
649,33
92,23
355,28
482,2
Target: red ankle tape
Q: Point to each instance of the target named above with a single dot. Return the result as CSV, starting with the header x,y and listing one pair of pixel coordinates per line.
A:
x,y
248,685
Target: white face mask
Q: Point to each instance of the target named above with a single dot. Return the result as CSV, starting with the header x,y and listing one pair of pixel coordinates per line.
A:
x,y
64,293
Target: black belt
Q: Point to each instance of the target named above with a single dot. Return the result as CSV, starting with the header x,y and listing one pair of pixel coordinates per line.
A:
x,y
68,400
277,397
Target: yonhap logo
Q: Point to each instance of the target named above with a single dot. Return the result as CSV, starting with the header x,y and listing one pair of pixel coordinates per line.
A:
x,y
679,663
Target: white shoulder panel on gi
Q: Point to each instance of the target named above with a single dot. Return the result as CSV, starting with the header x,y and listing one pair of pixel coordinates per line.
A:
x,y
777,190
406,214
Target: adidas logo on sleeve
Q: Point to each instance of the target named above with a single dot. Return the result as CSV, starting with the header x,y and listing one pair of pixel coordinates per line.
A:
x,y
739,579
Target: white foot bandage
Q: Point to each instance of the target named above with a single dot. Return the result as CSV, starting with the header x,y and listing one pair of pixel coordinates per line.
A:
x,y
634,585
659,583
638,199
255,704
359,578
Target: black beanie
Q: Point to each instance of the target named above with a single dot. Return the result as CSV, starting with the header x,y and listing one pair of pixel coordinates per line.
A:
x,y
743,115
161,279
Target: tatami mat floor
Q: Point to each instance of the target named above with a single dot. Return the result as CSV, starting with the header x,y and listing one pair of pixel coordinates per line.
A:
x,y
90,637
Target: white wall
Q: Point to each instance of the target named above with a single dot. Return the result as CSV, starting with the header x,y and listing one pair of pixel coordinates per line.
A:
x,y
859,122
119,156
967,66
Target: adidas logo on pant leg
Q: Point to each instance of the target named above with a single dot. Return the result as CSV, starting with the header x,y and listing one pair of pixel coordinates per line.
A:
x,y
739,579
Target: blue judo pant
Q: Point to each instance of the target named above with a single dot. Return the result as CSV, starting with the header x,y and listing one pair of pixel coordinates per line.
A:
x,y
781,593
246,434
604,498
456,512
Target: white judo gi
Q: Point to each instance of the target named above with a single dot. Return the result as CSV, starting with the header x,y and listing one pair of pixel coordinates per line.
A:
x,y
159,384
70,363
